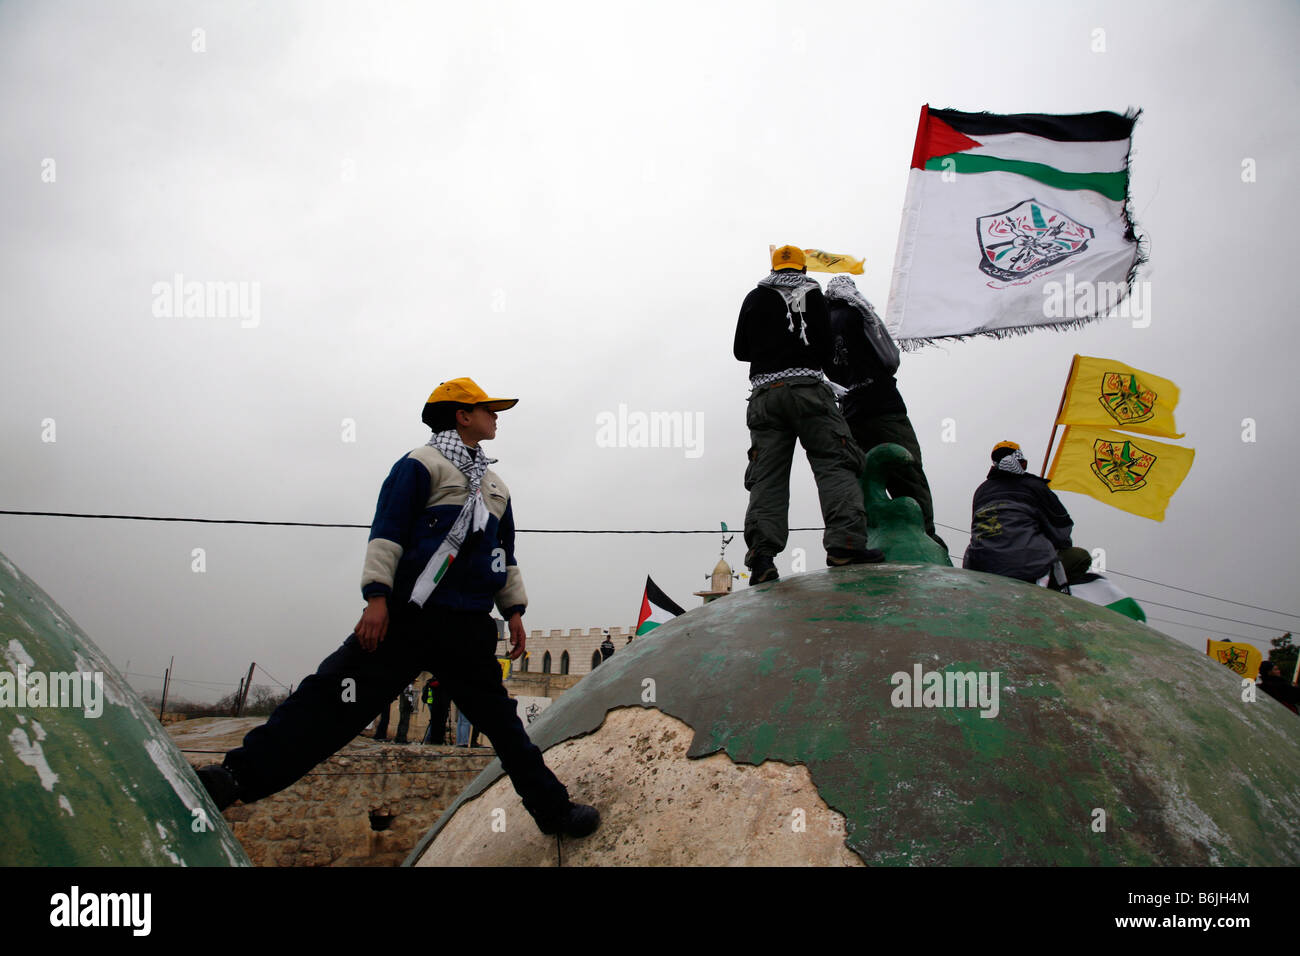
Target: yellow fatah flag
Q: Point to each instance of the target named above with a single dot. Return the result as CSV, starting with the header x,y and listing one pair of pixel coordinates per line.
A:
x,y
1242,658
1136,476
818,260
821,261
1110,394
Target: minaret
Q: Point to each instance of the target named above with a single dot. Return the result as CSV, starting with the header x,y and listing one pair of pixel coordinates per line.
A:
x,y
722,576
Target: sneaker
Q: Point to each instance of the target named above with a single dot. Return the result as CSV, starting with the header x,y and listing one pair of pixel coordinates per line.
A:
x,y
220,783
578,820
841,557
763,570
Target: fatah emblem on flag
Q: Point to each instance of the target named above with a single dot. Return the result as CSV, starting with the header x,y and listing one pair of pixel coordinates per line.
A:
x,y
1242,658
1234,659
1122,466
1026,238
1126,399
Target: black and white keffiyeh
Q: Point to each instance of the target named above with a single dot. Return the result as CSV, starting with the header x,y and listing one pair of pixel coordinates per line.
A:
x,y
1013,463
473,464
767,378
843,289
793,287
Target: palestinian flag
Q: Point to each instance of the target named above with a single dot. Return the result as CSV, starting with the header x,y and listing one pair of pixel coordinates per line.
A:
x,y
1013,223
656,608
1100,590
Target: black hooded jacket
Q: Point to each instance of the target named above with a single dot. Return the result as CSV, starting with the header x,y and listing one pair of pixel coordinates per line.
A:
x,y
1018,525
764,338
855,366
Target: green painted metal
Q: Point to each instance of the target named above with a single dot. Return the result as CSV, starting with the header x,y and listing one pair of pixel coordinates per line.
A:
x,y
98,784
895,525
1096,712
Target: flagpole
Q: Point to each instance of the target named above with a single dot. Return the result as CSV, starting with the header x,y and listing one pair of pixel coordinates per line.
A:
x,y
1069,378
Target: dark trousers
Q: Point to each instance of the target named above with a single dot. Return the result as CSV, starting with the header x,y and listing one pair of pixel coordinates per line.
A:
x,y
403,721
803,410
352,685
1075,562
438,709
909,480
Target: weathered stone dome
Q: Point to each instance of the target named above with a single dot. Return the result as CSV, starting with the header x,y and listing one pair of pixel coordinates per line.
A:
x,y
97,784
774,726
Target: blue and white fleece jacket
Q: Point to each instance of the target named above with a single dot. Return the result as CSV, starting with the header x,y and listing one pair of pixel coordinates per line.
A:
x,y
418,503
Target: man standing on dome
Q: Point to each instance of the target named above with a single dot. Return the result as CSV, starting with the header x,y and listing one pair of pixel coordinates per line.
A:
x,y
784,333
441,553
864,359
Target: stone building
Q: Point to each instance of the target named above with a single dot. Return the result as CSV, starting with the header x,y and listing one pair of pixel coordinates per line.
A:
x,y
567,652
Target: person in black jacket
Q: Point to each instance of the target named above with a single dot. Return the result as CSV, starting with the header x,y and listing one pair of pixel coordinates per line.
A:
x,y
1019,527
436,699
784,334
864,359
1273,683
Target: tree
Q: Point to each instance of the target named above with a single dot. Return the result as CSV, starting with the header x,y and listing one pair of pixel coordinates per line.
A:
x,y
262,700
1284,654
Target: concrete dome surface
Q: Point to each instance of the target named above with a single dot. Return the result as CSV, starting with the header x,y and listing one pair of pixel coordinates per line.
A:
x,y
89,777
902,715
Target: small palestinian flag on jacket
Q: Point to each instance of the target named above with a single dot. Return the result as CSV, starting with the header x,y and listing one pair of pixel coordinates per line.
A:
x,y
1101,590
656,608
1014,222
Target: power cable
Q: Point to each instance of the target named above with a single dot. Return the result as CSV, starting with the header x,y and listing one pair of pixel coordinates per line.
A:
x,y
322,524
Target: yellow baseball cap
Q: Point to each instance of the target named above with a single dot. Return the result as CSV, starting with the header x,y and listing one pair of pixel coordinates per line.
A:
x,y
1009,445
465,391
788,257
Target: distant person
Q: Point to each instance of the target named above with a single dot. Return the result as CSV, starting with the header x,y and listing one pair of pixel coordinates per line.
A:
x,y
405,707
1020,529
784,334
381,730
1274,683
864,359
466,732
435,699
606,648
441,554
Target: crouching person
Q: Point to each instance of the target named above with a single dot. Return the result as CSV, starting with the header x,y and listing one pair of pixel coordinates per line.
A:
x,y
1019,528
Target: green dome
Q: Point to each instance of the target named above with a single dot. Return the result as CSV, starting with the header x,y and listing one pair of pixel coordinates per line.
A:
x,y
95,784
1106,742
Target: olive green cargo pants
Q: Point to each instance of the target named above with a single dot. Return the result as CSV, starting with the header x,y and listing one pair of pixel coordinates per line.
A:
x,y
907,481
803,409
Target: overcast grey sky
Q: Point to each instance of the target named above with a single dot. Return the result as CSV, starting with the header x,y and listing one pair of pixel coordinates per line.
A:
x,y
568,202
